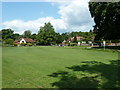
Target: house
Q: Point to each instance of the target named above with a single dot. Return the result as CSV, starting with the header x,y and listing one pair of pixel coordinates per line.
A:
x,y
78,38
63,43
72,39
24,40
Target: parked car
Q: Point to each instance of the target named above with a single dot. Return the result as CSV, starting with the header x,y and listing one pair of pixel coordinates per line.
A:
x,y
96,44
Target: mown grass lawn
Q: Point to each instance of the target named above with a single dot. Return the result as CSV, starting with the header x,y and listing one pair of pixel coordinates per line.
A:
x,y
0,67
62,67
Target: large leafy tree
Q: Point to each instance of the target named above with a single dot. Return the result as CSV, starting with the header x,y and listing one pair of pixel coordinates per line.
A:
x,y
34,36
65,36
59,38
9,41
7,33
7,36
16,36
46,35
107,19
75,39
27,34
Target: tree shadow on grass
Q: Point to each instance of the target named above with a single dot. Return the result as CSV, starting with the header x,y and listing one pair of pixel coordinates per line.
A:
x,y
90,74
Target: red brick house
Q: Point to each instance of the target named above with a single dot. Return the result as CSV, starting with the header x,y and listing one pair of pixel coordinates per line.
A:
x,y
78,38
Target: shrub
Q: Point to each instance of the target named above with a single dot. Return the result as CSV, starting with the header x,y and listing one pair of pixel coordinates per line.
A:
x,y
29,44
115,41
73,44
15,44
23,44
9,41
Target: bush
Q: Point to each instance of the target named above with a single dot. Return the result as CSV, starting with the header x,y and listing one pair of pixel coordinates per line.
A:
x,y
115,41
9,41
23,44
29,44
15,44
73,44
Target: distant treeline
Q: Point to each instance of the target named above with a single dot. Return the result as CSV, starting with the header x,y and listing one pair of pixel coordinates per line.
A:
x,y
45,36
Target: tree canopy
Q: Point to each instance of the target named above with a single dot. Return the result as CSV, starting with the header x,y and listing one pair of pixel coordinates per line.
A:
x,y
27,34
46,35
107,19
7,33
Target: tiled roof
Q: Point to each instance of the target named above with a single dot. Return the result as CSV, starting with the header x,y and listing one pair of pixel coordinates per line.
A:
x,y
17,41
26,39
78,38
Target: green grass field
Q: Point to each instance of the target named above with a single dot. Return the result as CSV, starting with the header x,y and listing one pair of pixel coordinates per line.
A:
x,y
62,67
0,67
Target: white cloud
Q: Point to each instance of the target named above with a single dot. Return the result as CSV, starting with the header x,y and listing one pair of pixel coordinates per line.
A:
x,y
76,13
75,16
20,26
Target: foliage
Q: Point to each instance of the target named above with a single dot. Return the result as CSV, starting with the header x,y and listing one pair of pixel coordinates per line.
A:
x,y
87,36
72,44
15,44
34,36
75,39
115,41
9,41
27,34
29,44
46,35
7,34
16,36
107,19
59,38
23,44
65,36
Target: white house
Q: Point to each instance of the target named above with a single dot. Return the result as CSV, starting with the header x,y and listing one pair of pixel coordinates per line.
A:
x,y
24,40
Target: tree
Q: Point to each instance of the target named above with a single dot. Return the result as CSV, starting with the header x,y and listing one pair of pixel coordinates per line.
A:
x,y
59,38
46,35
9,41
65,36
27,34
34,36
16,36
90,31
75,39
107,19
7,33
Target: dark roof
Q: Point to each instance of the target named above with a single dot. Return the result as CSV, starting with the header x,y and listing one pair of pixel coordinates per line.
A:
x,y
72,38
26,39
17,41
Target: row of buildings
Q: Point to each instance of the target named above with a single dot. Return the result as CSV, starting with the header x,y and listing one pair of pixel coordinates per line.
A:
x,y
80,40
29,40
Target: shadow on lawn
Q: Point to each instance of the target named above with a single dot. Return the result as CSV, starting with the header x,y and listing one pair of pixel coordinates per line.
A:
x,y
90,74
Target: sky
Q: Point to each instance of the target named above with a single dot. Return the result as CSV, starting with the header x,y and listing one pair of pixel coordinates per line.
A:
x,y
64,16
